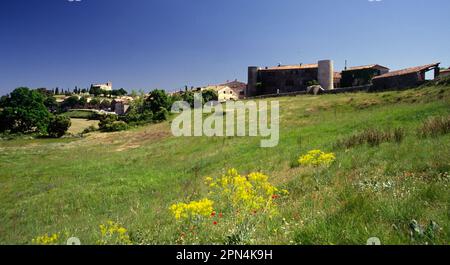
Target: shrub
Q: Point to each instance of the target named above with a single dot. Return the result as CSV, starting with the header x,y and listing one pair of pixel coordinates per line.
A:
x,y
161,115
109,123
118,126
434,127
312,83
89,129
136,117
94,103
58,126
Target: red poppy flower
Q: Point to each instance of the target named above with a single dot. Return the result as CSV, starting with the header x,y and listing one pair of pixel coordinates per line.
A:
x,y
214,223
220,215
213,214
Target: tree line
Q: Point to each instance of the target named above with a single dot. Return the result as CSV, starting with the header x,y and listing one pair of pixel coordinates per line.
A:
x,y
29,111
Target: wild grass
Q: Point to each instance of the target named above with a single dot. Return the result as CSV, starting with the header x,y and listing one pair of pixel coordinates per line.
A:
x,y
393,190
373,137
434,126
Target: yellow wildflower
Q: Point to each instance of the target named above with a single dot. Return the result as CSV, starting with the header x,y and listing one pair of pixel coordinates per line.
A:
x,y
317,158
46,239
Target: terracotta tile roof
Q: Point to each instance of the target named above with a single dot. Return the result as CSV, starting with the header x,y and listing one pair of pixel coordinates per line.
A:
x,y
362,67
407,71
236,86
290,67
445,71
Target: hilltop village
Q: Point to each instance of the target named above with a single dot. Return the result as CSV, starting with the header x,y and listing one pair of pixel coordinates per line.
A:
x,y
278,80
118,109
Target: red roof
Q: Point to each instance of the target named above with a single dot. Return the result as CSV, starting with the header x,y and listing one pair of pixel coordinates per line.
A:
x,y
362,67
408,71
236,86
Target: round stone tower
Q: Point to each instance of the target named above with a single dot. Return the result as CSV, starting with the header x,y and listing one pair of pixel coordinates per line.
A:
x,y
252,81
326,74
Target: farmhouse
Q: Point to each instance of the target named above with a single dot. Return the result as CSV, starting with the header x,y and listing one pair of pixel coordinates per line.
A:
x,y
107,86
121,105
237,87
445,72
361,75
289,78
405,78
283,79
225,93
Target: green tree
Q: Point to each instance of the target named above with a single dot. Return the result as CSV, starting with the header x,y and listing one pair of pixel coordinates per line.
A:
x,y
24,111
96,91
51,104
70,103
94,103
210,95
58,126
49,99
82,102
157,100
105,104
119,92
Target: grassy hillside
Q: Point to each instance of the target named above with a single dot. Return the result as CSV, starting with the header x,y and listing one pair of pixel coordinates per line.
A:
x,y
79,125
391,191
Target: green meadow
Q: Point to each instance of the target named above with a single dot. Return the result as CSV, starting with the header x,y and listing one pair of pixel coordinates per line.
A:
x,y
397,190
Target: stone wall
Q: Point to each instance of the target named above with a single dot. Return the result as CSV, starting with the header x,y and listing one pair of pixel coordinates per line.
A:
x,y
285,81
398,82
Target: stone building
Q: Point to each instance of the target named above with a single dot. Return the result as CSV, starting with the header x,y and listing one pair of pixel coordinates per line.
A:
x,y
121,105
445,72
237,87
406,78
289,78
224,93
361,75
107,86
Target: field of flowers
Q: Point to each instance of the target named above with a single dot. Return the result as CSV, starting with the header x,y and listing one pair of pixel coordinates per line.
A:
x,y
348,167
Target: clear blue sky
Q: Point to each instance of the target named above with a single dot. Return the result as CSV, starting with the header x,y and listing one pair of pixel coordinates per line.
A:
x,y
143,44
